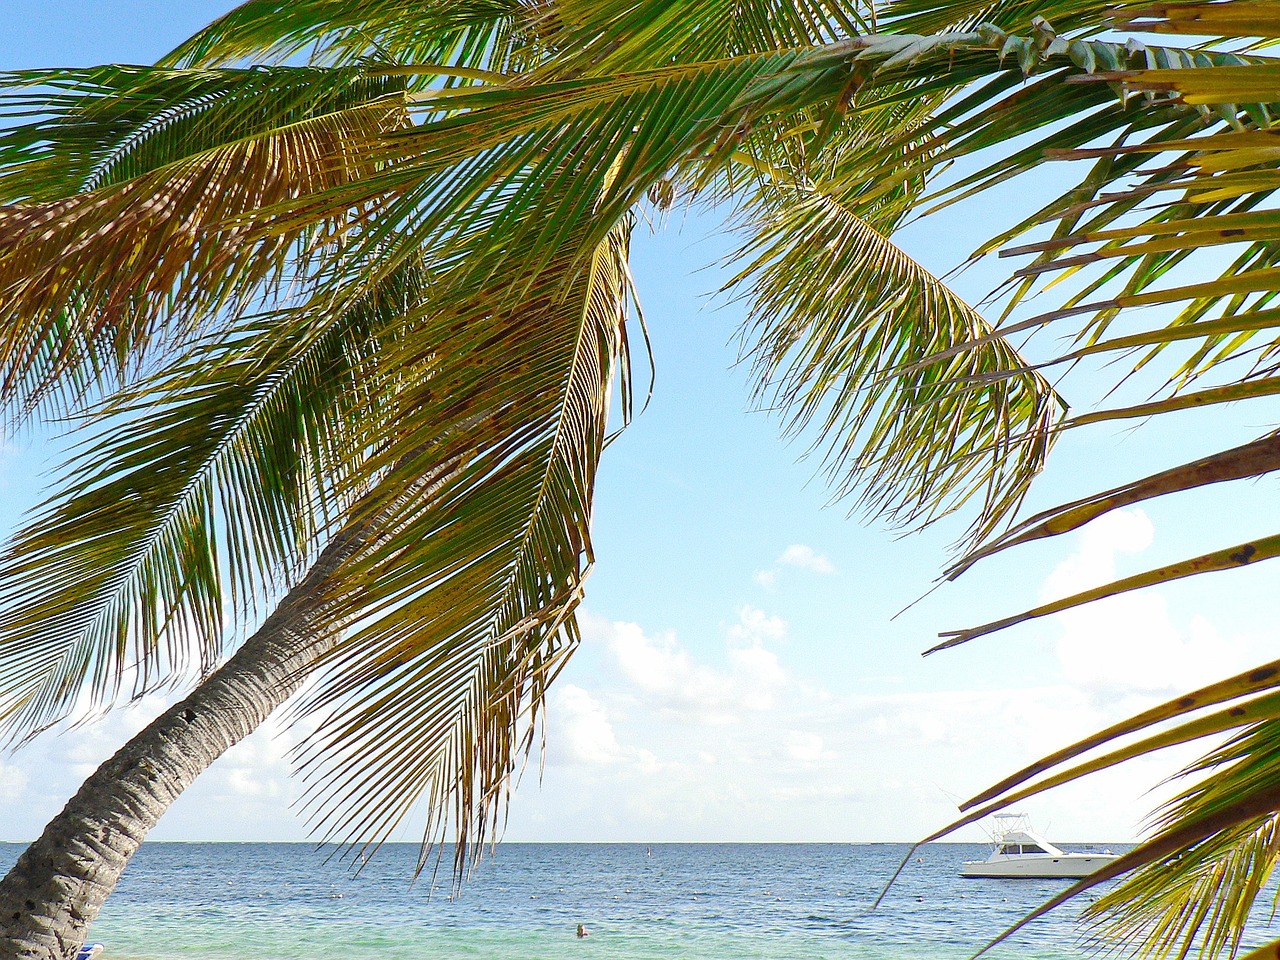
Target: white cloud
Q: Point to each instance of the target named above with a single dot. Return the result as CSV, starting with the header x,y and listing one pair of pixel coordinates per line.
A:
x,y
798,555
654,664
806,558
716,739
13,782
808,748
257,767
810,764
1098,544
245,794
648,762
580,731
1129,644
754,627
666,674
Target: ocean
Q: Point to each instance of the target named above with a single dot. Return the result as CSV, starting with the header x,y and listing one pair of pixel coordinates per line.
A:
x,y
264,901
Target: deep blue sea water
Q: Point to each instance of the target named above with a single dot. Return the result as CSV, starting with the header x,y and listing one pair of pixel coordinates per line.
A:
x,y
251,901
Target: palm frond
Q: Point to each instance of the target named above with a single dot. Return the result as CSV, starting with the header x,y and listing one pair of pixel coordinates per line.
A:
x,y
465,607
174,244
480,34
205,483
1227,558
1197,896
1197,905
1164,848
1258,18
1247,461
613,123
1222,320
1191,884
1214,841
602,37
102,126
840,319
1235,703
1079,18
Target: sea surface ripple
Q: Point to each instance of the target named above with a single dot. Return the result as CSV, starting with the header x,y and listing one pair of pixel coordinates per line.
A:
x,y
256,901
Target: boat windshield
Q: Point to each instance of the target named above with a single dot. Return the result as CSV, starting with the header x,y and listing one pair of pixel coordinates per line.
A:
x,y
1017,849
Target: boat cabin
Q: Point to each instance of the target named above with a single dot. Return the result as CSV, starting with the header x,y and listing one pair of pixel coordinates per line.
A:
x,y
1017,849
1016,839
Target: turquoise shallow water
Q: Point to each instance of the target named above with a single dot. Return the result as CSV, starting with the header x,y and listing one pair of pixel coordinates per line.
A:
x,y
683,902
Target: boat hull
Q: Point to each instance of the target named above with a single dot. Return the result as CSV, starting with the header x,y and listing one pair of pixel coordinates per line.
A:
x,y
1036,867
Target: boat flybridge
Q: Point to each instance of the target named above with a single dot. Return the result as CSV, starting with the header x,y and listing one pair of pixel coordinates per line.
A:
x,y
1021,852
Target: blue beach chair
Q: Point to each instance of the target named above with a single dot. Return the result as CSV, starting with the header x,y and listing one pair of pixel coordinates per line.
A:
x,y
89,951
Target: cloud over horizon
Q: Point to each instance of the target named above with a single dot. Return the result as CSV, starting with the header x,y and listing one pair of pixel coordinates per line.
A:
x,y
770,752
741,733
1129,644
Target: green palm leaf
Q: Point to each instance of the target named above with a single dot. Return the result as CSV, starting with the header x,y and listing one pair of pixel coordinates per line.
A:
x,y
249,441
839,317
101,126
465,608
1200,906
481,34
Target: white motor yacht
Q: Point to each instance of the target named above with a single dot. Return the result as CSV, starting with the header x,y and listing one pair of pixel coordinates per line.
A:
x,y
1021,852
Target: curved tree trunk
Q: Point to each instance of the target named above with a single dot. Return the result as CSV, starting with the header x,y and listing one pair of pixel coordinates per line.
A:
x,y
60,882
58,886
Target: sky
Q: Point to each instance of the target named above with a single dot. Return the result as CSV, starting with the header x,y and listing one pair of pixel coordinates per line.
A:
x,y
748,671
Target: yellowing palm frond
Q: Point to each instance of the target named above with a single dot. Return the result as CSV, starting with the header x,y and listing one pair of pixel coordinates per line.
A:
x,y
163,219
206,484
1152,204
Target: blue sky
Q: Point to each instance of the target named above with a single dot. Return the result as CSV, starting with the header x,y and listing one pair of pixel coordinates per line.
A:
x,y
742,675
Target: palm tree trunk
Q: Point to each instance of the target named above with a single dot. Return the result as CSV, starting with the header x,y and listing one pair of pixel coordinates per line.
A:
x,y
59,884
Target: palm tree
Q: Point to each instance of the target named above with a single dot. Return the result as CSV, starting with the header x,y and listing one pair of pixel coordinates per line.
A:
x,y
358,339
354,351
